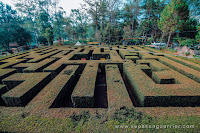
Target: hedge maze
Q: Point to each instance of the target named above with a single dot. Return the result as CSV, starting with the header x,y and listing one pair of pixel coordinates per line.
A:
x,y
68,79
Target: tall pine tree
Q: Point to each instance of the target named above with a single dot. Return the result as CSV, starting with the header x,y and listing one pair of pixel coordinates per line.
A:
x,y
173,17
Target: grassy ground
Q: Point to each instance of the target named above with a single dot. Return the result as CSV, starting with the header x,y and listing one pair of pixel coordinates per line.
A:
x,y
123,120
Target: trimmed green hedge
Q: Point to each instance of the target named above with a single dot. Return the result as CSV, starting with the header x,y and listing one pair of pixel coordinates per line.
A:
x,y
31,85
62,86
44,56
36,67
83,94
184,62
116,90
189,72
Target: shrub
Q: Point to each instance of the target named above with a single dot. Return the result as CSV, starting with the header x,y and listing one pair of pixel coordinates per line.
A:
x,y
42,40
187,53
172,50
187,42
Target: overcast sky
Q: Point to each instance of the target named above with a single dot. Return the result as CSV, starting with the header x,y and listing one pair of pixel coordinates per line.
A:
x,y
66,4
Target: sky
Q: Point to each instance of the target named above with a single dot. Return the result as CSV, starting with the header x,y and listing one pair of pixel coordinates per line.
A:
x,y
67,5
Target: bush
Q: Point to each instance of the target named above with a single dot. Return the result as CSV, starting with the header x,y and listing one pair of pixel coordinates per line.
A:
x,y
42,40
187,42
173,50
187,53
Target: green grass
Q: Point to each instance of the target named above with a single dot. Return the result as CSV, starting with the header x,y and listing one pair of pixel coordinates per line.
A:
x,y
85,122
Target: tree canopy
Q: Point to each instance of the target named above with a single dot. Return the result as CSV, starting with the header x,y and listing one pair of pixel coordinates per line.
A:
x,y
105,21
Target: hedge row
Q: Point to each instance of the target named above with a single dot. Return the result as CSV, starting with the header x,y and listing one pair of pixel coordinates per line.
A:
x,y
61,54
116,90
48,51
138,81
115,56
134,58
140,49
38,50
56,65
163,77
83,94
3,89
8,63
62,86
174,89
37,67
97,54
16,55
153,64
150,49
31,85
42,57
125,53
144,54
6,72
173,84
184,62
189,72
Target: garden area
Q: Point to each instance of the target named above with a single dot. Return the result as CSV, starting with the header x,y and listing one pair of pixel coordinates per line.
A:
x,y
99,89
105,66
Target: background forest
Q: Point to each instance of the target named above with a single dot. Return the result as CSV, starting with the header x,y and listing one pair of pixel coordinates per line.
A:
x,y
103,21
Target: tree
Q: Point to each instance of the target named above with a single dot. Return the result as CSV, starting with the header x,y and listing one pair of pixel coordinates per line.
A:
x,y
31,10
44,27
98,37
194,6
21,36
49,35
144,29
173,17
198,35
189,29
132,10
127,32
59,24
10,29
68,28
93,10
188,42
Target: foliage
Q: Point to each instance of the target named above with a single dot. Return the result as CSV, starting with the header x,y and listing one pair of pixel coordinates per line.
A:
x,y
49,35
187,42
189,29
42,40
10,28
194,7
108,21
187,53
98,36
172,50
21,36
198,35
127,32
173,17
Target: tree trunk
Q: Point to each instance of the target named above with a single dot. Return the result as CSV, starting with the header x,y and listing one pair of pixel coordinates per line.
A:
x,y
162,37
133,22
143,39
169,39
48,41
149,16
96,19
